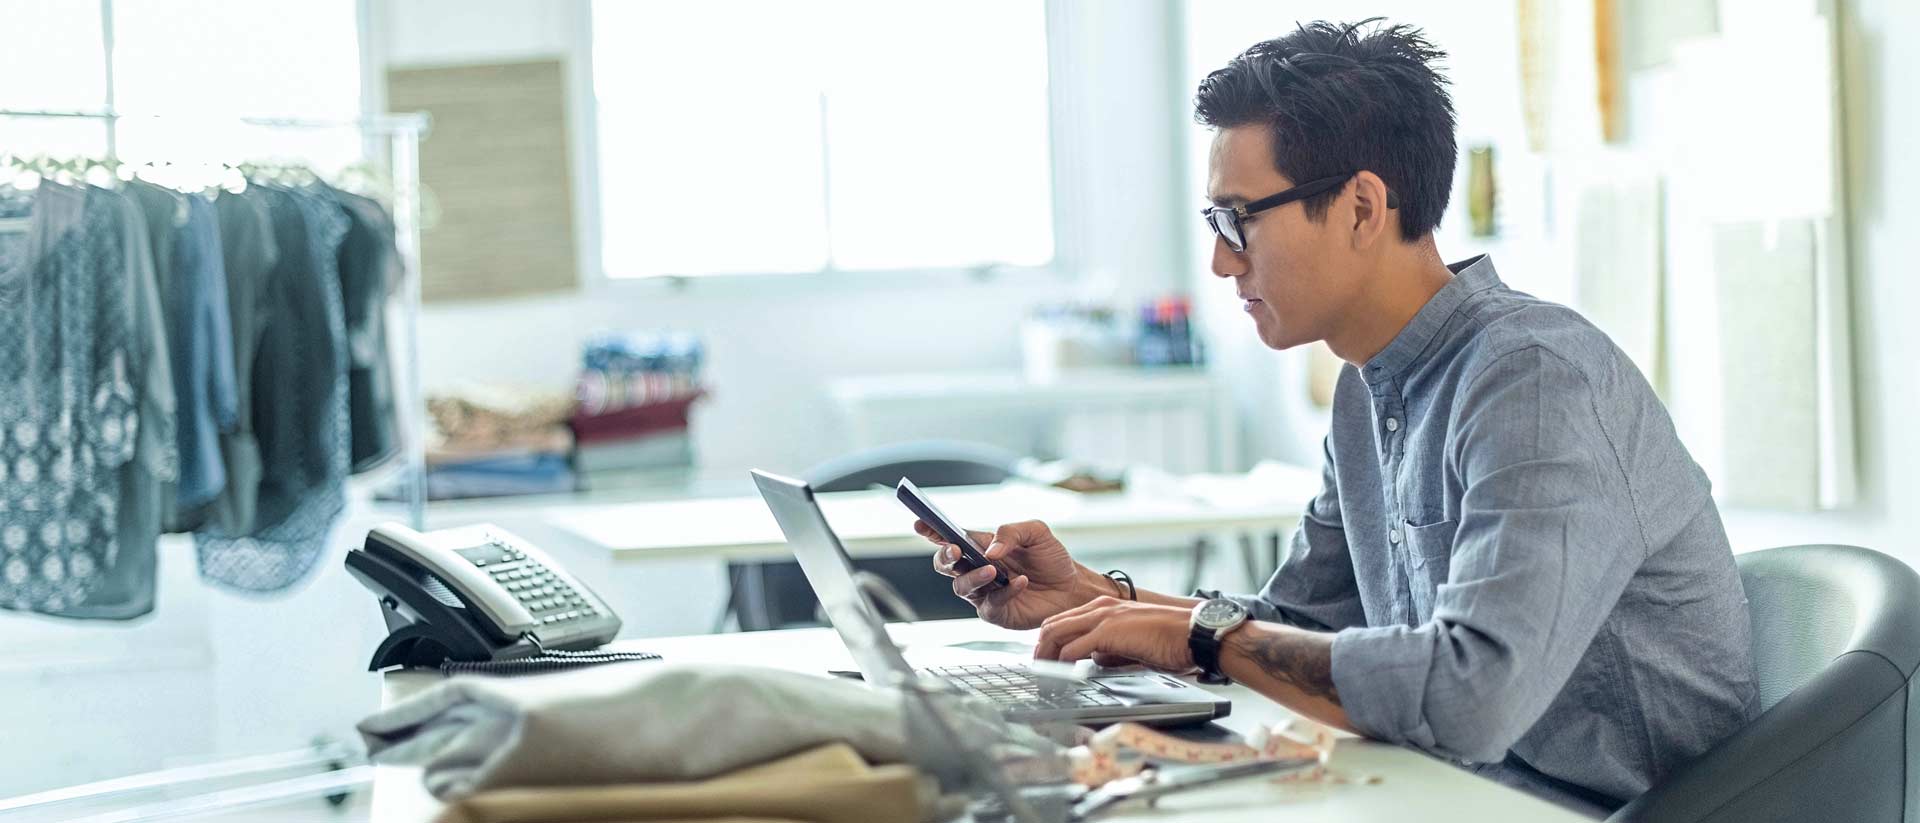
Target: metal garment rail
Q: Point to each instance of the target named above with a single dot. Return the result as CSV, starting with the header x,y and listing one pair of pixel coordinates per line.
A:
x,y
338,768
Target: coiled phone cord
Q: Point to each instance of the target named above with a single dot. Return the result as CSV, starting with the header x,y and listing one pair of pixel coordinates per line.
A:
x,y
548,660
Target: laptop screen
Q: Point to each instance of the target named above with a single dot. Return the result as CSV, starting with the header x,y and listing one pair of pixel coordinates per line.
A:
x,y
830,572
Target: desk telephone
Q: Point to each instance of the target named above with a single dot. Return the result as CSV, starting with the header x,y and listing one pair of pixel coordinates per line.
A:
x,y
477,599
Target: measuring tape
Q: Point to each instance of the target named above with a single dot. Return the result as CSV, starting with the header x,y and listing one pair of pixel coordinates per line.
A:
x,y
1123,750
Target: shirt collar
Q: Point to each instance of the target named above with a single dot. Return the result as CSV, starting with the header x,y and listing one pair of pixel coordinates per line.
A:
x,y
1470,276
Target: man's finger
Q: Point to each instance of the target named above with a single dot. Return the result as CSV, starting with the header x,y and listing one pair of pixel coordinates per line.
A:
x,y
943,561
967,584
1091,605
1057,631
1000,597
921,528
1085,645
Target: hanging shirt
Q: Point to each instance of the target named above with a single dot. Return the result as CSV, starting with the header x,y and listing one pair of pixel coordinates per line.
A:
x,y
299,403
248,253
68,408
370,269
145,484
193,289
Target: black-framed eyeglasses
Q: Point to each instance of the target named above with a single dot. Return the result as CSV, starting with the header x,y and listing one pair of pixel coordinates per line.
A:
x,y
1226,220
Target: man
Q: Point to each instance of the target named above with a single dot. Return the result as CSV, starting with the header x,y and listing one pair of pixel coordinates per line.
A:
x,y
1513,562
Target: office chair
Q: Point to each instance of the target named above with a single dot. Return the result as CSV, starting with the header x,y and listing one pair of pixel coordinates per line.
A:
x,y
1836,641
773,595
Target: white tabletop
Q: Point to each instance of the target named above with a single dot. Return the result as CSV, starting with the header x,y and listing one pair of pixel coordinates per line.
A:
x,y
873,523
1411,785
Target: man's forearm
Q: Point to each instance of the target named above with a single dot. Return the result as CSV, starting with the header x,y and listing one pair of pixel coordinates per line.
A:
x,y
1100,584
1289,665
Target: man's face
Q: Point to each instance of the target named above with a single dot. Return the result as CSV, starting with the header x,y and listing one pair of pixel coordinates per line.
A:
x,y
1296,275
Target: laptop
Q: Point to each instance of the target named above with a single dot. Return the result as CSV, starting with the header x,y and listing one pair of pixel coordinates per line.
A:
x,y
1133,696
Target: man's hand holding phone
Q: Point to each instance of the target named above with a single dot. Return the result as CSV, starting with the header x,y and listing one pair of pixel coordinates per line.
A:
x,y
1043,579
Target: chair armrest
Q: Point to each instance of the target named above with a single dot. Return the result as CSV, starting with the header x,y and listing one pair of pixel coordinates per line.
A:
x,y
1825,752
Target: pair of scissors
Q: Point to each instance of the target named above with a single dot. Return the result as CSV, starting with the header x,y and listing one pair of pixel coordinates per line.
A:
x,y
1162,782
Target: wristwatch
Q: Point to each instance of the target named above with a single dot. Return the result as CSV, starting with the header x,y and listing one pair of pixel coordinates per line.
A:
x,y
1211,622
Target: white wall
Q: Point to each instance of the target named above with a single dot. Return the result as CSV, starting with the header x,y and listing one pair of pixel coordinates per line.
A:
x,y
1882,117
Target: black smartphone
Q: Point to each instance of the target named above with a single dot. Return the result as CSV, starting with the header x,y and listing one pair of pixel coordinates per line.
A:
x,y
970,555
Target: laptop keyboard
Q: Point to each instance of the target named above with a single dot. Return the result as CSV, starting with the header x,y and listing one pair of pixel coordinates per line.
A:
x,y
1017,687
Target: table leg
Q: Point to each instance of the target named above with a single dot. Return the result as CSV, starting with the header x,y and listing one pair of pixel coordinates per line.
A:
x,y
1196,560
754,615
1250,558
733,600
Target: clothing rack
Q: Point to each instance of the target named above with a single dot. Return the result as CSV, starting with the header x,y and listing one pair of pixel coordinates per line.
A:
x,y
401,134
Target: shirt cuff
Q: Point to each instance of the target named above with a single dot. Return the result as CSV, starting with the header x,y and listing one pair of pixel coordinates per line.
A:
x,y
1380,673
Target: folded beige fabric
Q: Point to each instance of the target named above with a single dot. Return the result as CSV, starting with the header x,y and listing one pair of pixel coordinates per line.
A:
x,y
481,413
827,784
626,723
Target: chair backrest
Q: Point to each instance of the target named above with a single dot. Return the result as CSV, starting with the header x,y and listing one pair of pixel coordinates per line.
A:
x,y
780,596
931,464
1811,604
1836,641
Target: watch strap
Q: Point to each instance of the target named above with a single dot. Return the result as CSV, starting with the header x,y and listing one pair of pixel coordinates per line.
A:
x,y
1206,650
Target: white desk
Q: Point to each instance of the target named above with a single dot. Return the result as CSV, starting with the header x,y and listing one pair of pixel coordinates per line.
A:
x,y
1179,419
1412,786
873,523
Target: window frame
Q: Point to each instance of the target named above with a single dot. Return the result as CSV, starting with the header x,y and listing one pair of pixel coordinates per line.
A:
x,y
589,233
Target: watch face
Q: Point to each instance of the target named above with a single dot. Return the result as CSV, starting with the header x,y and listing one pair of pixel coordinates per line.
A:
x,y
1216,614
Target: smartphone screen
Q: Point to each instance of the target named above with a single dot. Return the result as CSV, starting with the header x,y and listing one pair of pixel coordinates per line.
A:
x,y
970,555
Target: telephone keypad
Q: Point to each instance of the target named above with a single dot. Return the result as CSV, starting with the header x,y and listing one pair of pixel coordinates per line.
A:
x,y
530,582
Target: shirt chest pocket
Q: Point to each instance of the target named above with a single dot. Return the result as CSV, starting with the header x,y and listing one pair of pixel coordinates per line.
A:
x,y
1429,554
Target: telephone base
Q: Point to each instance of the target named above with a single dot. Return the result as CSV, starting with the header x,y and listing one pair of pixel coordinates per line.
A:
x,y
420,645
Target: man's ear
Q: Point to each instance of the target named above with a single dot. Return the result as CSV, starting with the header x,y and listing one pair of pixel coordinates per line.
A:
x,y
1373,209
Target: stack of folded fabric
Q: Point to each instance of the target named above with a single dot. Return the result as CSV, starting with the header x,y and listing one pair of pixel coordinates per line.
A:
x,y
657,742
635,392
825,784
492,441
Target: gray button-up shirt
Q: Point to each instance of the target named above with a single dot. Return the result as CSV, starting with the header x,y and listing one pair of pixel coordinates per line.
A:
x,y
1524,566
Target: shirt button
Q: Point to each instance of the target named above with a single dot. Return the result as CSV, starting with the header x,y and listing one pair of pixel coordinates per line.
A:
x,y
1393,424
1393,536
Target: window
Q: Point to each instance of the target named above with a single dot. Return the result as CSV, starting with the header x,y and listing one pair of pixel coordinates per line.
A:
x,y
200,64
832,134
210,60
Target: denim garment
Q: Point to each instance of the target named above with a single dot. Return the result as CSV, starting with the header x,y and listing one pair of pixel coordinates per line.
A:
x,y
1524,566
193,287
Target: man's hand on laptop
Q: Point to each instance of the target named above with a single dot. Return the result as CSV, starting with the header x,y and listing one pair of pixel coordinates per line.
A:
x,y
1042,578
1116,632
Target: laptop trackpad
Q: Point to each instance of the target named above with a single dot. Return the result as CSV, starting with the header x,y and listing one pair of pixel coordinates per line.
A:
x,y
1149,687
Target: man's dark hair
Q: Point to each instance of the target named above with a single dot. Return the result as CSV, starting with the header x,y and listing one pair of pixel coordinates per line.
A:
x,y
1339,98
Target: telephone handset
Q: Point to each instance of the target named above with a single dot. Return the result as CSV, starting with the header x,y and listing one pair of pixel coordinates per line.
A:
x,y
477,598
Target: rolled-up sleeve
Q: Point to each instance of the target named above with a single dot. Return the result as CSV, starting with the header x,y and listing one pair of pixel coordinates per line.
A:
x,y
1547,539
1314,588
